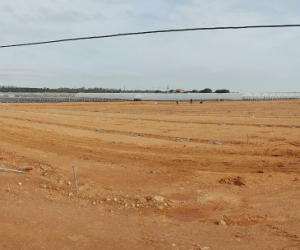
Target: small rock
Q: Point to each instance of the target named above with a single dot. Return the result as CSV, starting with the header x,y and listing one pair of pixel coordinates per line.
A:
x,y
69,183
173,245
158,198
115,199
204,248
221,223
20,183
70,194
43,186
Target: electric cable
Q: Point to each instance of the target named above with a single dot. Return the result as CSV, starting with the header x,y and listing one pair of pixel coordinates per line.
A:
x,y
151,32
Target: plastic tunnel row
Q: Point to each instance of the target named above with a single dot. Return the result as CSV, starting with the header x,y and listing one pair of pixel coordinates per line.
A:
x,y
101,97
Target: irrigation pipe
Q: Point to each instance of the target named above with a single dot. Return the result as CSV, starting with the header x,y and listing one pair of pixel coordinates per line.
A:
x,y
12,170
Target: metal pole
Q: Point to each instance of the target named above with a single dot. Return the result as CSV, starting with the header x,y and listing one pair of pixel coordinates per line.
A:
x,y
11,170
75,180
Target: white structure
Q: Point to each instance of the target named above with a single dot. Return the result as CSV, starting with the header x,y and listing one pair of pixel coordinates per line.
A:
x,y
271,96
100,97
162,97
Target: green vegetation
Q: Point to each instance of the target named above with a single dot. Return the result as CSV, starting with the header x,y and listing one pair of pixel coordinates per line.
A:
x,y
205,91
60,90
100,90
222,91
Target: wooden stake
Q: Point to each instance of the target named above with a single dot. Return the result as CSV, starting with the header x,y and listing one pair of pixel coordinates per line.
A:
x,y
75,180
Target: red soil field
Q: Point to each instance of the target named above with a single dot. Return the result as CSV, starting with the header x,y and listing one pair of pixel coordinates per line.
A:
x,y
150,175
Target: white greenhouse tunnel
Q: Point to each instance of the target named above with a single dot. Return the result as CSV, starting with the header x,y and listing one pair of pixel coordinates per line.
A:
x,y
98,97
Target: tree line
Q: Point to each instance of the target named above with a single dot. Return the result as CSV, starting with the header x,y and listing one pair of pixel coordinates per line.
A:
x,y
102,90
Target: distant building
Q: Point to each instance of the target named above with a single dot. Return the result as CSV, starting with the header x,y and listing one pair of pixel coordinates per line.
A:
x,y
179,91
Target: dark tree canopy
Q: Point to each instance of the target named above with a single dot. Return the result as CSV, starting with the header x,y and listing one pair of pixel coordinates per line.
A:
x,y
207,90
101,90
222,91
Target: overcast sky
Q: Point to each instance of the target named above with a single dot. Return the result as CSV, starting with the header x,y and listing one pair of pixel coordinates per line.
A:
x,y
238,60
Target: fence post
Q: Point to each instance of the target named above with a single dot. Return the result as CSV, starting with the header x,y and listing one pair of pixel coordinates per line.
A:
x,y
75,180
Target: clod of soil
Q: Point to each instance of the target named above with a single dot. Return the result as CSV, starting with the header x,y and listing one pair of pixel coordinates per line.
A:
x,y
27,169
238,181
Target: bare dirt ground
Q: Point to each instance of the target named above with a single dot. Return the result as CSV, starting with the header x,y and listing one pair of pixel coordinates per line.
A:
x,y
151,176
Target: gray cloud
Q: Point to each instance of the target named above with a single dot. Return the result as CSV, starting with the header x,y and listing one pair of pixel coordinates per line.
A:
x,y
63,16
5,8
249,60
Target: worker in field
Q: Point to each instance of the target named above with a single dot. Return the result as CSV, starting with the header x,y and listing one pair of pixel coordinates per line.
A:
x,y
191,101
177,101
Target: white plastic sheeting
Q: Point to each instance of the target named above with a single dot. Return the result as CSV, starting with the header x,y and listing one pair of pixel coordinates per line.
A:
x,y
35,94
271,96
37,97
162,97
90,97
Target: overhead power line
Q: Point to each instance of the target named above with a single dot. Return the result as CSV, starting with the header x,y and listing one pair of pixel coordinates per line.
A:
x,y
151,32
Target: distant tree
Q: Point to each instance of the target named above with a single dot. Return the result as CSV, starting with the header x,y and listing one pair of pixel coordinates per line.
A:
x,y
207,90
222,91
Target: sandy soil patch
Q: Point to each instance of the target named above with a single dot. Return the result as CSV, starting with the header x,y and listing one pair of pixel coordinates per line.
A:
x,y
150,176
